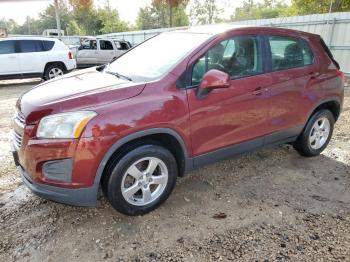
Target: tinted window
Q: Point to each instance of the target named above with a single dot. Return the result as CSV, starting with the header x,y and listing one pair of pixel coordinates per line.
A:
x,y
48,45
7,47
238,56
289,52
29,46
106,45
121,45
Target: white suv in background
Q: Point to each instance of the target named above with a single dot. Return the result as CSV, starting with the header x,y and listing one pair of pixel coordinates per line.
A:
x,y
26,57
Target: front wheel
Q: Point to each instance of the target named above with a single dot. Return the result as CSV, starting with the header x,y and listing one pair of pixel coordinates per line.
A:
x,y
316,135
141,180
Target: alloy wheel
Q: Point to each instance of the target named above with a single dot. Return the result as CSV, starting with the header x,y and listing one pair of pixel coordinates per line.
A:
x,y
144,181
55,72
319,133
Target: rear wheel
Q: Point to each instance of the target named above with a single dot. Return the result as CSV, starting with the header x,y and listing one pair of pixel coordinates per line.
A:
x,y
141,180
316,134
54,70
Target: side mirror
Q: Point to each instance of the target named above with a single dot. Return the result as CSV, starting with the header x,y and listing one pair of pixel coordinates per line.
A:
x,y
81,47
213,79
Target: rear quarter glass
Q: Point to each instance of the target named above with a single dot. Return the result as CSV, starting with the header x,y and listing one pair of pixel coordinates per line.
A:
x,y
48,45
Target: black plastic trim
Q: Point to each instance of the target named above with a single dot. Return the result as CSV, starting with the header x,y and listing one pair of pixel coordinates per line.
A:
x,y
86,197
140,134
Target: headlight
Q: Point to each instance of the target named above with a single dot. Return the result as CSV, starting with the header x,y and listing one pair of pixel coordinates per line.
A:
x,y
65,125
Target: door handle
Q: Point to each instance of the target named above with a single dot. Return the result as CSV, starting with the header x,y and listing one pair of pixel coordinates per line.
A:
x,y
313,75
258,91
285,78
11,56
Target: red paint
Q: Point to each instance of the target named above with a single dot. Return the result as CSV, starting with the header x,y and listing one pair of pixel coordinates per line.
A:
x,y
246,108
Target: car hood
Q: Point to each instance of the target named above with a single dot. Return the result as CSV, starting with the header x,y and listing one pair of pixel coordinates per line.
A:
x,y
78,90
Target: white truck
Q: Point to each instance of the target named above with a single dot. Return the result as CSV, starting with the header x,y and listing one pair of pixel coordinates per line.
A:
x,y
99,51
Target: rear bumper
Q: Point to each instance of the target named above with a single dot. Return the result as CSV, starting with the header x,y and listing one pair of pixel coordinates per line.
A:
x,y
85,197
70,64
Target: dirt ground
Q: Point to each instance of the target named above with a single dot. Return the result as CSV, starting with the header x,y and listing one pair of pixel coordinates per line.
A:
x,y
271,205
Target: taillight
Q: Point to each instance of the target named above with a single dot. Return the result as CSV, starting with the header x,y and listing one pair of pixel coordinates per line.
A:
x,y
70,55
341,75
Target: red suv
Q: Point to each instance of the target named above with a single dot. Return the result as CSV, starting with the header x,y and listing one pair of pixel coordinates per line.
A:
x,y
174,103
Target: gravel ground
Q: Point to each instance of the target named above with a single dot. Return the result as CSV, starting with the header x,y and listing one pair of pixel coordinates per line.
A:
x,y
271,205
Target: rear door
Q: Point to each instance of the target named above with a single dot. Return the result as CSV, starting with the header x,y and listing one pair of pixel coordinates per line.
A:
x,y
293,70
9,58
32,57
122,47
106,52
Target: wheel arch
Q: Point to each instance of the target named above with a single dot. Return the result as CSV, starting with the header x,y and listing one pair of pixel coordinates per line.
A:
x,y
55,63
332,104
166,137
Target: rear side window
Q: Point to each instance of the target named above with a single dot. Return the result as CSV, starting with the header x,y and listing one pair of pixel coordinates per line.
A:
x,y
7,47
121,45
106,45
288,52
48,45
30,46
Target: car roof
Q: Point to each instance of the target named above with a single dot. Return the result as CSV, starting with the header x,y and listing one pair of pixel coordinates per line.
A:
x,y
30,38
222,28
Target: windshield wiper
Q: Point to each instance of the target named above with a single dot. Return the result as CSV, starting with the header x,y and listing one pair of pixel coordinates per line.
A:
x,y
119,75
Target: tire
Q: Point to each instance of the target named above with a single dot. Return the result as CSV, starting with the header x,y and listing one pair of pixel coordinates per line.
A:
x,y
135,191
54,70
316,134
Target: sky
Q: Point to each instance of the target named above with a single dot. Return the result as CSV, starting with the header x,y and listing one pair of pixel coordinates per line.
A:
x,y
128,9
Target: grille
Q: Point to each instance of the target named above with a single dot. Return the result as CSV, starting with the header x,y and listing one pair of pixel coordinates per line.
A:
x,y
19,121
17,140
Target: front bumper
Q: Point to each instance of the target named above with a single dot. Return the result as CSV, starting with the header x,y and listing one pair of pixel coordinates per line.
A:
x,y
85,197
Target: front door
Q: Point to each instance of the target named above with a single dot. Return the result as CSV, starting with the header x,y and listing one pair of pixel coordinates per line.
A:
x,y
106,52
233,115
9,58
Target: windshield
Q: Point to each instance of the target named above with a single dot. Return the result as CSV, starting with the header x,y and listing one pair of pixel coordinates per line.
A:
x,y
155,57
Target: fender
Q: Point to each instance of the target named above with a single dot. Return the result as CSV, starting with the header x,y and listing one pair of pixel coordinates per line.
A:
x,y
328,99
133,136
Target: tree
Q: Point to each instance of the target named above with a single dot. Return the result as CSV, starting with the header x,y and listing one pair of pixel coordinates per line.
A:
x,y
47,19
304,7
74,29
266,9
205,12
10,25
163,13
146,19
110,21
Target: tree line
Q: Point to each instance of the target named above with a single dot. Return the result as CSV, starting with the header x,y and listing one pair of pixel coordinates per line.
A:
x,y
82,17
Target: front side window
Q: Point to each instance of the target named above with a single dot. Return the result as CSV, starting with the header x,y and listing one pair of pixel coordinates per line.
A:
x,y
88,44
238,56
288,52
30,46
7,47
106,45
